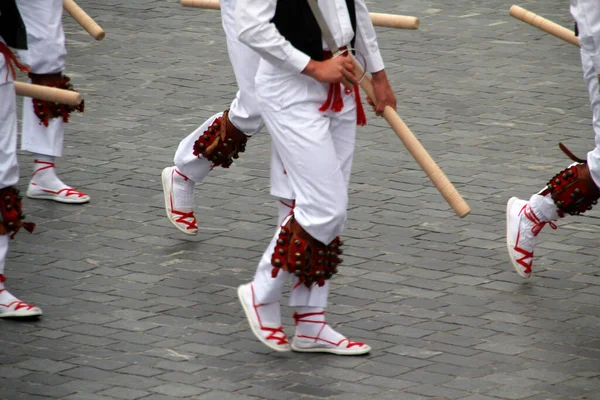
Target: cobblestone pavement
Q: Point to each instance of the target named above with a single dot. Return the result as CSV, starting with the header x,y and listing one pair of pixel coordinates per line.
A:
x,y
135,310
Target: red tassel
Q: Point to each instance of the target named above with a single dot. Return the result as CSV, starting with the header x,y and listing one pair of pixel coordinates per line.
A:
x,y
338,101
29,226
361,118
329,100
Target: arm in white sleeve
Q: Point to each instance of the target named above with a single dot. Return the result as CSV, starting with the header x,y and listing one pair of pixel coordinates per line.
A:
x,y
588,24
366,39
254,28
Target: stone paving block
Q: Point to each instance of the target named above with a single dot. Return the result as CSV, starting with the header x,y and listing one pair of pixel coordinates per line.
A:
x,y
128,300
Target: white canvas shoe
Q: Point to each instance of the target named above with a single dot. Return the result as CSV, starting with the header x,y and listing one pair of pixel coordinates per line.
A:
x,y
272,336
324,339
45,185
65,195
182,219
11,307
522,228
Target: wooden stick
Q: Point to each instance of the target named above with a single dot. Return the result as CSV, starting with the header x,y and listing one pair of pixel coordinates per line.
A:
x,y
395,21
46,93
84,20
544,24
416,149
379,19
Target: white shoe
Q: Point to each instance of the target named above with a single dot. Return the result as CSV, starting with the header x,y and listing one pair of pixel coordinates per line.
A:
x,y
522,228
65,195
184,220
272,337
15,308
335,343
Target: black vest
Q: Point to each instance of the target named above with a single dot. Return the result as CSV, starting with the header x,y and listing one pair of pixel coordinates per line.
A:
x,y
12,28
296,22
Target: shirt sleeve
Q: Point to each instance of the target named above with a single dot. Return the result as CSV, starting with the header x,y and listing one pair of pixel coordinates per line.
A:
x,y
254,28
366,39
588,24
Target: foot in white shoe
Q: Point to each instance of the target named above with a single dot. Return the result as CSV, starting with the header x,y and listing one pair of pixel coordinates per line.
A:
x,y
45,185
178,193
11,307
314,335
522,228
264,319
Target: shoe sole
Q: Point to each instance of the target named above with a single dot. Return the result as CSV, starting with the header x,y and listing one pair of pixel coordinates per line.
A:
x,y
254,331
57,199
18,314
331,351
508,244
164,177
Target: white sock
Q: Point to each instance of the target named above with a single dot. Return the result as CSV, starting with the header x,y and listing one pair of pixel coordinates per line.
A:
x,y
183,192
44,174
270,314
314,326
5,296
544,208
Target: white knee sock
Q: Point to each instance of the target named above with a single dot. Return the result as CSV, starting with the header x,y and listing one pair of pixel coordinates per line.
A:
x,y
44,174
311,325
5,296
183,192
544,207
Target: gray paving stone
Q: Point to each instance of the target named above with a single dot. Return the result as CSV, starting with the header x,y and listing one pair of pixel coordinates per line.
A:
x,y
135,310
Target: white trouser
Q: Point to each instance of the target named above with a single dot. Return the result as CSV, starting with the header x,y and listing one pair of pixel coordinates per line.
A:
x,y
9,167
45,54
544,206
316,150
243,112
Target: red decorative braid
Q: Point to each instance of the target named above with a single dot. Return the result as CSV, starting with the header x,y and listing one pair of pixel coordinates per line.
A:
x,y
301,318
2,278
281,340
527,260
12,62
183,216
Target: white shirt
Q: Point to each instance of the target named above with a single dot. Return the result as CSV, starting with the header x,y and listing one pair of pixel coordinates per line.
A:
x,y
254,27
587,15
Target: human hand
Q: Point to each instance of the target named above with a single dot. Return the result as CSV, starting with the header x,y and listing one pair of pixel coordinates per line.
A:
x,y
337,69
384,95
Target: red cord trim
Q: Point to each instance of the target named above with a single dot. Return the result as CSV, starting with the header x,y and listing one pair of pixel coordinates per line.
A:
x,y
274,331
300,318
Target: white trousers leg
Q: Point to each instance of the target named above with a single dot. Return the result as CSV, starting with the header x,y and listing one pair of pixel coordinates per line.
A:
x,y
39,139
9,167
45,54
316,148
243,112
3,252
195,168
543,206
590,75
